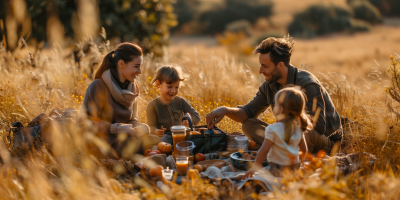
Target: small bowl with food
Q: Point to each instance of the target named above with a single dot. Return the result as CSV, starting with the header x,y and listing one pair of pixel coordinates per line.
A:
x,y
244,161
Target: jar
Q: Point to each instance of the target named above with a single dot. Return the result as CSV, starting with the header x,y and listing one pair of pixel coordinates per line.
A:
x,y
178,135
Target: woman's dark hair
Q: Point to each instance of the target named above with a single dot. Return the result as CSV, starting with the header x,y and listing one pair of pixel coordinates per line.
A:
x,y
169,74
126,51
280,49
293,102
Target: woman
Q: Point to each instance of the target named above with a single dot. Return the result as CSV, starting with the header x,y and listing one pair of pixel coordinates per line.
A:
x,y
110,102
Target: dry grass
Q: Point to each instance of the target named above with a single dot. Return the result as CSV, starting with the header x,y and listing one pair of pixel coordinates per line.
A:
x,y
212,81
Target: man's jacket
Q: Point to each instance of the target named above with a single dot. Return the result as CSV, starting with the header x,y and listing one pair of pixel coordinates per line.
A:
x,y
328,120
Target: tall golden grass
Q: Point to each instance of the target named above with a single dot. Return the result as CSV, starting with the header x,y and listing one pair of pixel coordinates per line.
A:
x,y
35,81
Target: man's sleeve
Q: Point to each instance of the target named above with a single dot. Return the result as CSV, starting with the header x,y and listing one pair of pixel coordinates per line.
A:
x,y
259,103
314,91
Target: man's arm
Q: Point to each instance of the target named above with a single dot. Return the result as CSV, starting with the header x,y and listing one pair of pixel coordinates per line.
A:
x,y
259,103
313,91
236,114
250,110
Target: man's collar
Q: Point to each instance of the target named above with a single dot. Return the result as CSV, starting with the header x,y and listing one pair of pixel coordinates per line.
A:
x,y
291,75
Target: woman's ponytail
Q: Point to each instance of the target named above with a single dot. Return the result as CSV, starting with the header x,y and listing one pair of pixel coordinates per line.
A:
x,y
107,63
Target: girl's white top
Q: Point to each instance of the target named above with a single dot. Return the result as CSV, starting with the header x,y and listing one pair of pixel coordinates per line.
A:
x,y
280,152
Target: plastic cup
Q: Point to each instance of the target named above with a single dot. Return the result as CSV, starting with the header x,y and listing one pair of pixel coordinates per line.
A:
x,y
182,164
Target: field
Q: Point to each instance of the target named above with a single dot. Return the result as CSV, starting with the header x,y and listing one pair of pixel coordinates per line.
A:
x,y
352,67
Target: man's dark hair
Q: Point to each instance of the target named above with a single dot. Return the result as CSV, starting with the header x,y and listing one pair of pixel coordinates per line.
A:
x,y
280,49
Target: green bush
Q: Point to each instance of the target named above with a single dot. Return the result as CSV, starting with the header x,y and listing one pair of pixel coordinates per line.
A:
x,y
389,8
185,11
320,20
365,10
216,20
146,22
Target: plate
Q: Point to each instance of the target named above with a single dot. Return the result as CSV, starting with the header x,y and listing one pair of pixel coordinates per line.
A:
x,y
208,163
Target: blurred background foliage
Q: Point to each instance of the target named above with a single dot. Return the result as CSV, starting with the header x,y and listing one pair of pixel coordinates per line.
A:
x,y
150,22
144,22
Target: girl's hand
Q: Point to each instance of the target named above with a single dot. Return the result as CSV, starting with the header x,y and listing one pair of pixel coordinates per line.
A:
x,y
249,174
160,132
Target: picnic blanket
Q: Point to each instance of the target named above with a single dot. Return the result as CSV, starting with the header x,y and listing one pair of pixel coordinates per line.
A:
x,y
263,177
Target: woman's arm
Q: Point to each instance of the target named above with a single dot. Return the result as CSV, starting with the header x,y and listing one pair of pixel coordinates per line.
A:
x,y
92,106
261,156
187,108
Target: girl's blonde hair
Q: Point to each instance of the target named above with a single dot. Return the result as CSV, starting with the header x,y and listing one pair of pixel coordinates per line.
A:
x,y
293,102
169,74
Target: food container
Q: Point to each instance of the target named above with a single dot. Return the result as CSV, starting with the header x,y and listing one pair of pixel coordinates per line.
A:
x,y
238,162
178,135
232,136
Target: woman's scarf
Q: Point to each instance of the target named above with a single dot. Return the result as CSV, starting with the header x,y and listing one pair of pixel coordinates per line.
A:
x,y
126,97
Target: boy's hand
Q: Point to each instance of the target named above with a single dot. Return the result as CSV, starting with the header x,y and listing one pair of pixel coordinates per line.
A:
x,y
249,174
185,123
160,132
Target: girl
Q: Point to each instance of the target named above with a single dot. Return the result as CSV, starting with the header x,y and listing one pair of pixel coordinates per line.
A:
x,y
168,109
110,102
283,139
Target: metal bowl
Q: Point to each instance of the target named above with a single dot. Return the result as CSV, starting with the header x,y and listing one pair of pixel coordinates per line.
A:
x,y
238,162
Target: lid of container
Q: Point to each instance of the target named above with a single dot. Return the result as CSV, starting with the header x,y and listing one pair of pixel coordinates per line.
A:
x,y
185,146
241,138
178,128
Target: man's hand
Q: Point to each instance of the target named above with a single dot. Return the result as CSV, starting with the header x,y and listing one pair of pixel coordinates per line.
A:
x,y
215,116
160,132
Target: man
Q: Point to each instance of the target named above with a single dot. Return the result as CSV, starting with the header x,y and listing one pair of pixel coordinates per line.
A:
x,y
274,57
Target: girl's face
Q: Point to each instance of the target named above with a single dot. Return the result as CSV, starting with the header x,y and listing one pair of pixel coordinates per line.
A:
x,y
130,70
169,91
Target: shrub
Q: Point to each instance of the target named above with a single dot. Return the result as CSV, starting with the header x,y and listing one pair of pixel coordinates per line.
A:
x,y
365,10
387,7
143,21
321,19
233,10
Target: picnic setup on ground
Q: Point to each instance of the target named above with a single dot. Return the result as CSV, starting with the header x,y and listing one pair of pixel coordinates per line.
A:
x,y
171,146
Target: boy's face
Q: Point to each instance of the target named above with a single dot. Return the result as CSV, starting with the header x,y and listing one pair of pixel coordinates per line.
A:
x,y
169,91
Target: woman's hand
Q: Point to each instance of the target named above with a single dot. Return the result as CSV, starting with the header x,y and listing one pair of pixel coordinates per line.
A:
x,y
249,174
160,132
126,128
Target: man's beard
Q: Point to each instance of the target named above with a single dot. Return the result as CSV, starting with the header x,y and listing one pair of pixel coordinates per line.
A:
x,y
275,76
